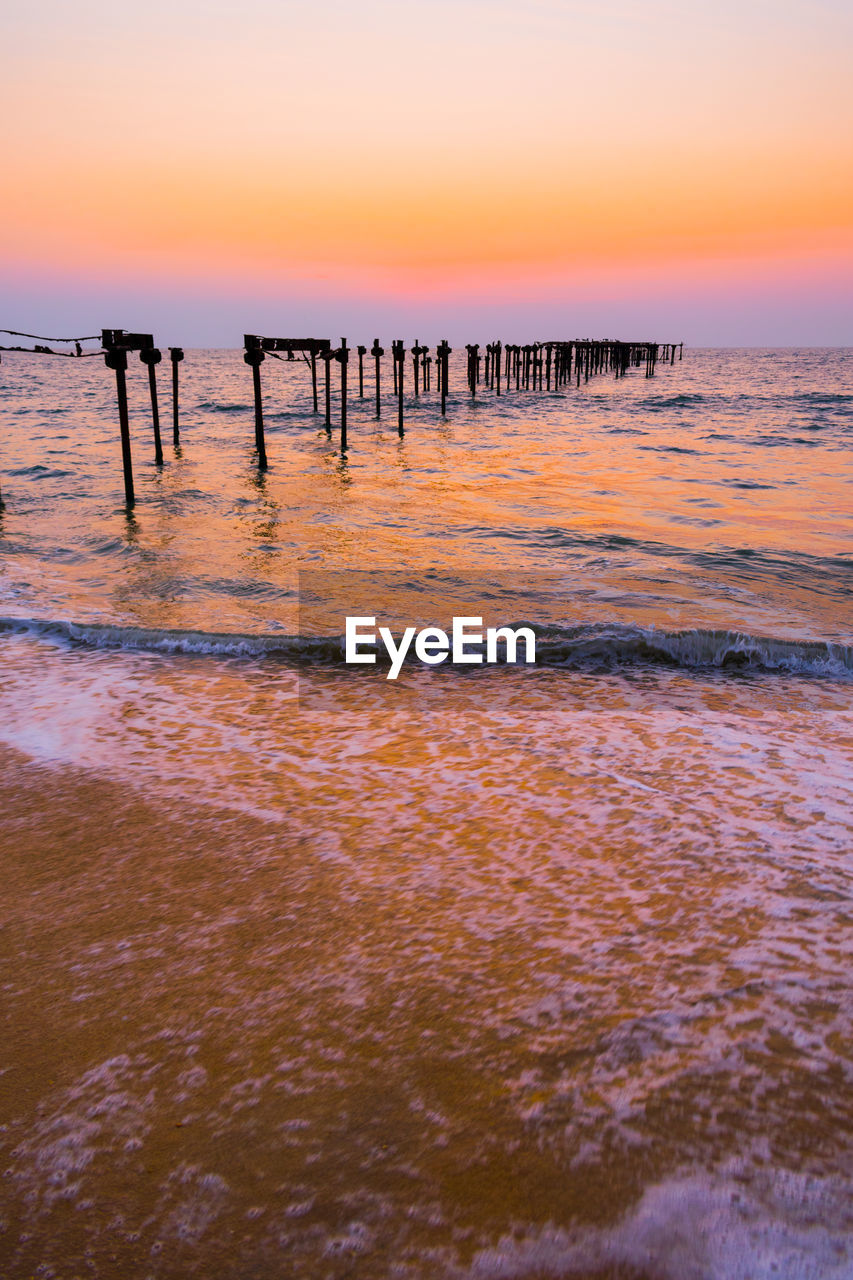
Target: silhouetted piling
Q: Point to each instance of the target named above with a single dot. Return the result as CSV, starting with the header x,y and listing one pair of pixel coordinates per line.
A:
x,y
116,344
342,356
117,360
152,357
400,367
377,352
176,355
362,351
473,367
444,351
254,357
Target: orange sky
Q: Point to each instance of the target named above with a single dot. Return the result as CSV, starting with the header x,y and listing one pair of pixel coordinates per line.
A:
x,y
427,149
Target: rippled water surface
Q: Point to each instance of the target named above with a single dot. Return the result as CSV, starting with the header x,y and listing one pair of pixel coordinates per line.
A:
x,y
511,972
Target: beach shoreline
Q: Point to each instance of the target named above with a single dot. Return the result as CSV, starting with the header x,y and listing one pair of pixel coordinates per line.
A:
x,y
226,1057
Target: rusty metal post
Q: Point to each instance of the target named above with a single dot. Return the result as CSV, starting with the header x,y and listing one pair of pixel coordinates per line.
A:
x,y
151,357
377,352
445,374
176,355
401,367
117,360
342,356
254,357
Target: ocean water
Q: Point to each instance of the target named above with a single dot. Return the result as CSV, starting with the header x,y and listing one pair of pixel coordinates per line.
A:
x,y
487,972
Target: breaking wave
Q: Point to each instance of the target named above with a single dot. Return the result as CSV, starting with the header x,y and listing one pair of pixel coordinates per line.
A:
x,y
583,647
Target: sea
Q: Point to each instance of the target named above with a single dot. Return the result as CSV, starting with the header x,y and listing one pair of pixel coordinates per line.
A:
x,y
487,972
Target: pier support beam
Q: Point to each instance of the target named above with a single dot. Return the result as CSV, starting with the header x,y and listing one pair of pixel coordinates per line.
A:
x,y
117,360
362,352
151,357
443,352
342,356
254,357
377,352
400,371
176,355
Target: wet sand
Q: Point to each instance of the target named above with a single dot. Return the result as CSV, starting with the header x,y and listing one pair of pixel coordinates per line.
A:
x,y
224,1057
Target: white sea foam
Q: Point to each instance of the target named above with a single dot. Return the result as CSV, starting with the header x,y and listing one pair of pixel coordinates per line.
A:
x,y
782,1226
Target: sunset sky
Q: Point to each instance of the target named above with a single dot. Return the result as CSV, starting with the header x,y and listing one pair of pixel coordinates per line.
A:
x,y
474,169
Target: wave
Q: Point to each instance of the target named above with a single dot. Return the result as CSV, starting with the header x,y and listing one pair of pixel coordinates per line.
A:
x,y
593,646
218,406
678,399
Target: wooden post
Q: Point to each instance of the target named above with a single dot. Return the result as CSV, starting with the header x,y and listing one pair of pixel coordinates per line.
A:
x,y
314,377
377,352
497,365
361,354
327,359
416,367
151,357
176,355
117,360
